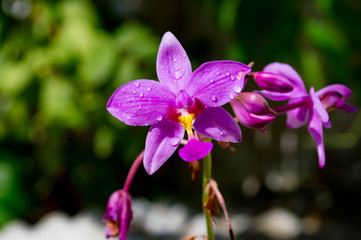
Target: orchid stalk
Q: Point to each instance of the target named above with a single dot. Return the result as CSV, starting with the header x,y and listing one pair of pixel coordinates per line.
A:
x,y
207,174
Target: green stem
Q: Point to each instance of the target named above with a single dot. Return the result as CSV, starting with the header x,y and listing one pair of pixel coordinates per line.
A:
x,y
207,172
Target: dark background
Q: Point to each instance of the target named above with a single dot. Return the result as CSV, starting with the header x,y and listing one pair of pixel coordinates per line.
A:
x,y
60,61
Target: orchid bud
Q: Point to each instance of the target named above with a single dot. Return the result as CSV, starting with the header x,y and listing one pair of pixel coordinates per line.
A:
x,y
255,103
273,82
252,110
118,214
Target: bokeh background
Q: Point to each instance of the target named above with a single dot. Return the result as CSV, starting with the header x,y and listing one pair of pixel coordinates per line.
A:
x,y
60,150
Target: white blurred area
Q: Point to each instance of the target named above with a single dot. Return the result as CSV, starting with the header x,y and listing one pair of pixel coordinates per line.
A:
x,y
161,220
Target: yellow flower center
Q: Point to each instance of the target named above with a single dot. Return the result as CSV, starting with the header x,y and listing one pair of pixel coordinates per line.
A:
x,y
186,121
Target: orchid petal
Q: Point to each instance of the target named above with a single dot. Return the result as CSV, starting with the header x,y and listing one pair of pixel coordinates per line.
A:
x,y
195,150
217,83
342,105
296,117
344,91
318,107
218,124
162,140
316,131
140,102
288,72
173,66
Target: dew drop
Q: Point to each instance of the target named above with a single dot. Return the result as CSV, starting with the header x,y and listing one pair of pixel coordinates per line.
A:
x,y
213,98
128,117
140,107
136,84
232,78
211,81
175,59
227,74
184,55
159,118
237,89
141,94
217,73
134,91
117,110
149,89
231,96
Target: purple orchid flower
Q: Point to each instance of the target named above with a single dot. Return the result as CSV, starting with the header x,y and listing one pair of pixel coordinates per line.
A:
x,y
314,104
118,214
180,101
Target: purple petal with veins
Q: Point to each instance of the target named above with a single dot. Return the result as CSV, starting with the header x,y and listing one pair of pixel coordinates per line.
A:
x,y
218,124
173,66
162,140
217,83
140,102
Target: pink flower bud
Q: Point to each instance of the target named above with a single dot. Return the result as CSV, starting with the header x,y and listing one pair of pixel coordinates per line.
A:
x,y
118,214
252,110
273,82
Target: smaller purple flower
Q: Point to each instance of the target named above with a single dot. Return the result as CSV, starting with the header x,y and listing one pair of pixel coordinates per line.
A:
x,y
118,214
315,104
252,110
181,101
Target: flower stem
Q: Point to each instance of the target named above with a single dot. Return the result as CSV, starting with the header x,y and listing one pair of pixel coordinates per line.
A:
x,y
304,102
207,172
133,169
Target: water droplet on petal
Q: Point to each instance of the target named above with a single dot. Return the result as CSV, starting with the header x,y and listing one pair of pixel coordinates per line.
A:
x,y
213,98
149,89
175,59
159,118
231,96
232,78
237,89
117,110
134,91
227,74
137,84
217,73
128,117
140,107
141,94
184,55
211,81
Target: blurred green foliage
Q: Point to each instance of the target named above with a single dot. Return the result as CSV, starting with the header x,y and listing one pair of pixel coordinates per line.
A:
x,y
60,64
